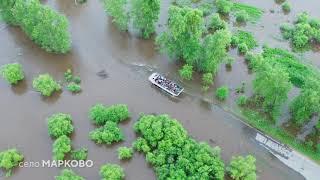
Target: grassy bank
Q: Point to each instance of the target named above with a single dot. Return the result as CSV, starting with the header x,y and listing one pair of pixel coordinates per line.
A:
x,y
256,120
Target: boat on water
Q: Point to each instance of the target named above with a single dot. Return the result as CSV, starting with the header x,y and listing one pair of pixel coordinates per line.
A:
x,y
166,84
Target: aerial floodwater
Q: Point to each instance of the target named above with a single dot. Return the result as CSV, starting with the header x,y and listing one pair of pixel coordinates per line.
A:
x,y
114,67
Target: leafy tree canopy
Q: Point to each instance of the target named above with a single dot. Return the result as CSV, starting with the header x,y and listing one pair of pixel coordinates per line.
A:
x,y
10,159
100,114
61,147
107,134
45,84
111,172
13,73
60,124
68,174
242,168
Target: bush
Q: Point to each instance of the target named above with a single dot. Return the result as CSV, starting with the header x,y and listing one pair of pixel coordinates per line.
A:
x,y
12,73
107,134
242,16
125,153
222,93
216,23
43,25
76,79
242,100
242,168
68,75
186,72
5,11
80,154
60,124
207,80
229,61
61,147
100,114
244,37
68,174
170,150
10,159
117,10
73,87
224,6
45,84
286,7
243,48
111,172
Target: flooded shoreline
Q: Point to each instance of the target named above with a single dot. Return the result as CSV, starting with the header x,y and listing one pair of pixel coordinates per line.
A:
x,y
128,61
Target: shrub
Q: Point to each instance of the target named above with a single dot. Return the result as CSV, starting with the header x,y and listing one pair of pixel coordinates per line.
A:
x,y
242,16
244,37
216,23
100,114
61,147
107,134
68,75
10,159
43,25
68,174
186,72
45,84
60,124
80,154
5,11
224,6
229,61
125,153
242,168
207,80
222,93
171,150
76,79
286,30
206,8
243,48
73,87
242,100
111,172
286,7
12,73
117,10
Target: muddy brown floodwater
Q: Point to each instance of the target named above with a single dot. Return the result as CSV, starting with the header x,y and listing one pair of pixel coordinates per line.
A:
x,y
98,46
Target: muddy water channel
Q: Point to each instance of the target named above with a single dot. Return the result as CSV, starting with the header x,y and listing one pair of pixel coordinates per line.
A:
x,y
128,61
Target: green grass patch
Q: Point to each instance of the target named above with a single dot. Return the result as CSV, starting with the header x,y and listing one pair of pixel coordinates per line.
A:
x,y
299,73
261,123
253,12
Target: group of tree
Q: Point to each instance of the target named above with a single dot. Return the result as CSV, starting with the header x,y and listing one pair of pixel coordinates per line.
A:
x,y
73,82
46,85
183,40
303,33
60,128
108,118
46,27
173,153
10,159
144,14
12,73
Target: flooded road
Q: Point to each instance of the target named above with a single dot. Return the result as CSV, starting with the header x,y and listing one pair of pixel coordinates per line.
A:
x,y
128,61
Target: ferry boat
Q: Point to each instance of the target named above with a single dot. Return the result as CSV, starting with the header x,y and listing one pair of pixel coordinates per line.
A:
x,y
165,84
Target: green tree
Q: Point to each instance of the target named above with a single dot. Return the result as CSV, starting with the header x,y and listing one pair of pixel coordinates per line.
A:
x,y
242,168
172,153
45,84
307,103
186,72
117,10
214,51
80,154
222,93
60,124
13,73
125,153
107,134
242,16
111,172
10,159
286,7
68,174
182,39
242,100
100,114
272,83
145,14
216,23
74,87
207,80
61,147
224,6
6,11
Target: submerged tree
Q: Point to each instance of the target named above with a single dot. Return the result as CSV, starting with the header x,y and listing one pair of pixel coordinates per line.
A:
x,y
242,168
68,174
60,124
186,72
111,172
145,14
182,39
10,159
107,134
45,84
13,73
272,83
6,11
61,147
117,10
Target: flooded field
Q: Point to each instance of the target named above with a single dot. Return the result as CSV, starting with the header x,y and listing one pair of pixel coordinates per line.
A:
x,y
128,61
